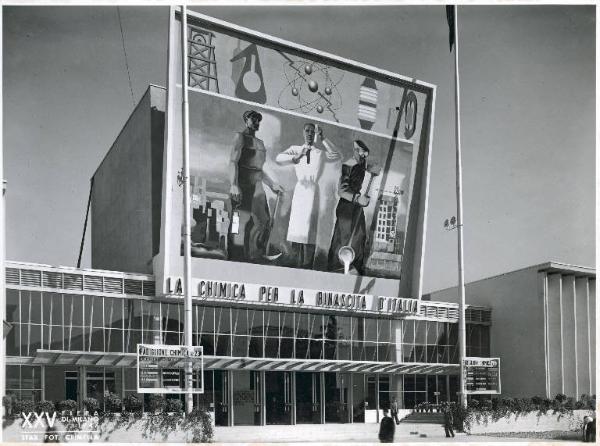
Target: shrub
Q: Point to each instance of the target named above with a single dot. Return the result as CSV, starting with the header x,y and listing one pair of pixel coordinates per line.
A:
x,y
537,400
200,424
589,402
474,404
45,406
570,403
497,408
67,406
113,403
91,405
547,404
560,397
174,405
24,406
462,417
157,403
132,403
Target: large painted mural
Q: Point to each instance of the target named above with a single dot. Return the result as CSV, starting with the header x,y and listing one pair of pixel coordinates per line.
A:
x,y
296,160
277,188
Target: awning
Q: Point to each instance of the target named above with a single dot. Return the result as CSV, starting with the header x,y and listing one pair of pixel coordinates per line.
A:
x,y
57,357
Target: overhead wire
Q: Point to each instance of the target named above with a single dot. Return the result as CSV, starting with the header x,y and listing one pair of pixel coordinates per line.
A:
x,y
85,223
125,53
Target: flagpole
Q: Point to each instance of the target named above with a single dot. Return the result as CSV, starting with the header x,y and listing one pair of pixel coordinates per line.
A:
x,y
187,246
459,219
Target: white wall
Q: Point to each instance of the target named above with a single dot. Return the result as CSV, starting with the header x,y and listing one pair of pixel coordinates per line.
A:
x,y
540,326
517,331
571,339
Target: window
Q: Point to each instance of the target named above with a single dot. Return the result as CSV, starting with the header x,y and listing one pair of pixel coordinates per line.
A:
x,y
24,382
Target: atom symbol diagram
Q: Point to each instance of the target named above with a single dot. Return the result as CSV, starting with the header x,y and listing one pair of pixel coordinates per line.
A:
x,y
310,87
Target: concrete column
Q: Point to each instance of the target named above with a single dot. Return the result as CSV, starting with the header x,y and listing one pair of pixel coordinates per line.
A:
x,y
82,386
569,331
123,383
351,397
592,335
43,381
229,388
293,395
543,280
377,395
322,390
263,397
555,350
583,341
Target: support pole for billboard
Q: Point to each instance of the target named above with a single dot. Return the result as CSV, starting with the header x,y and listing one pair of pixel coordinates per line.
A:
x,y
187,246
459,220
5,326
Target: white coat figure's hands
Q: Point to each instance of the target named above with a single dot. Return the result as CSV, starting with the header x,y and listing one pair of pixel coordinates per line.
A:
x,y
363,201
318,133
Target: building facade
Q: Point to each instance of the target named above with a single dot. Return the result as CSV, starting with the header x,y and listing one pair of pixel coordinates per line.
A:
x,y
284,341
74,335
551,311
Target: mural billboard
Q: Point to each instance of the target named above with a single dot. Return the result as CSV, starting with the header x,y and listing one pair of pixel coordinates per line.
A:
x,y
298,159
276,188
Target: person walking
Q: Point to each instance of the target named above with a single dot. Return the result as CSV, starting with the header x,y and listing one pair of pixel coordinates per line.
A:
x,y
386,428
394,410
589,429
585,427
448,421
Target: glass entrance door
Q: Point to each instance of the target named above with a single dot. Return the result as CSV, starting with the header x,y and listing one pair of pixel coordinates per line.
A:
x,y
336,397
246,397
308,397
99,384
278,393
72,385
221,397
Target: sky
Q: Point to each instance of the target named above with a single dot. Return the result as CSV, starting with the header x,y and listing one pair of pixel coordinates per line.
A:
x,y
528,117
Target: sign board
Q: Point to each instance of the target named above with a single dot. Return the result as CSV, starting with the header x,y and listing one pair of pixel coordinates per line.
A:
x,y
162,368
257,199
293,297
482,375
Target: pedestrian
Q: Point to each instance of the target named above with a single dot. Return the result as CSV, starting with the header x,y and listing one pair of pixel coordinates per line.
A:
x,y
590,431
386,428
448,421
585,428
394,410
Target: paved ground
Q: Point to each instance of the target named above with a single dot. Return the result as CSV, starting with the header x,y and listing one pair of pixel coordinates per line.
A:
x,y
305,433
345,433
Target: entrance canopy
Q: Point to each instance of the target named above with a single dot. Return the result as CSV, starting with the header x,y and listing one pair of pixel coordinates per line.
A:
x,y
101,359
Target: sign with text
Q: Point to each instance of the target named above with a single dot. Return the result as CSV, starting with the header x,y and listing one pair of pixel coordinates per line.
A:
x,y
299,161
482,375
296,297
163,368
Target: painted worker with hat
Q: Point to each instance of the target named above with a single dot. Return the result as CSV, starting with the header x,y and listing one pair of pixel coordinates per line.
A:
x,y
247,193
